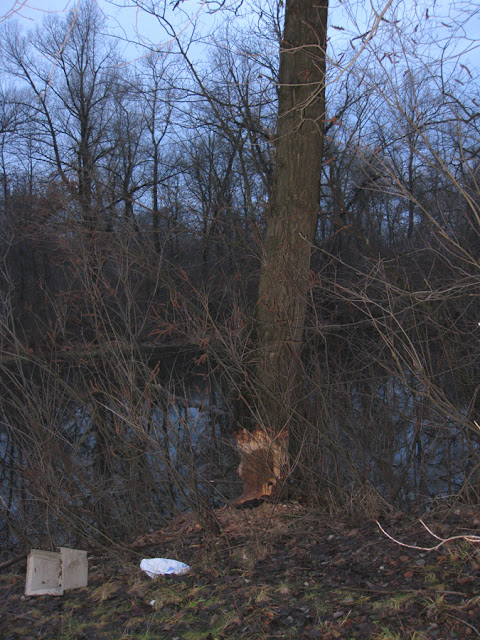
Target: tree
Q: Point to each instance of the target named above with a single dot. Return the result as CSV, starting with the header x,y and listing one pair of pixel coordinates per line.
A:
x,y
70,74
124,175
14,114
157,101
291,226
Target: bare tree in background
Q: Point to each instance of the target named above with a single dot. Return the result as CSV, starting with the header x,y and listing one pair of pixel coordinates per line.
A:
x,y
71,74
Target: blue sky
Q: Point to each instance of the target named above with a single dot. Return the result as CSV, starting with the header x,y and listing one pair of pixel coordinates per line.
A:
x,y
124,22
458,20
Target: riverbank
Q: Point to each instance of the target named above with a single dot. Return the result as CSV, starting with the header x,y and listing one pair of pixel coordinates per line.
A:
x,y
278,572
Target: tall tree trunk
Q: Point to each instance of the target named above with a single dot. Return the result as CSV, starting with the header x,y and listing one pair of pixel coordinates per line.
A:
x,y
291,226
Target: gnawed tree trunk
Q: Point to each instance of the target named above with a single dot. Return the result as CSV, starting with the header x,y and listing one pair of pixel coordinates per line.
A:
x,y
263,462
291,225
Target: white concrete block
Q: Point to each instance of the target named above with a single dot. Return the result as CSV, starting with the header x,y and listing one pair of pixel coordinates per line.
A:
x,y
74,568
51,573
44,573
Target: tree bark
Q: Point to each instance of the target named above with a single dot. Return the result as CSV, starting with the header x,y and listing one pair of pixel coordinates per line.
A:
x,y
291,224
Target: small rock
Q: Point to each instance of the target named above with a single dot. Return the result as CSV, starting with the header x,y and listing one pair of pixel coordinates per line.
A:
x,y
338,614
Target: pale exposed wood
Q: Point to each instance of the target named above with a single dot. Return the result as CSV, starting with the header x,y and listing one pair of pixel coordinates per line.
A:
x,y
263,463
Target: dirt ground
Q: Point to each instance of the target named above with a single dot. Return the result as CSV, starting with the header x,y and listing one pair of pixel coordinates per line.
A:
x,y
272,572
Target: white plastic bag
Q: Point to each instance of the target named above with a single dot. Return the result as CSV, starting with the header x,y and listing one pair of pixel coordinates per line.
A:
x,y
154,567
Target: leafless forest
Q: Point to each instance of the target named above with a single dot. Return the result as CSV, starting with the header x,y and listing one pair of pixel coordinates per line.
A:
x,y
135,207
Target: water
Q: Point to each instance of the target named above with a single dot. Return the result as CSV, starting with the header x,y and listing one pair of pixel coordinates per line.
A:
x,y
175,453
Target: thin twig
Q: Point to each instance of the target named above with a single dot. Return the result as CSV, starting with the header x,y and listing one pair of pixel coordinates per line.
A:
x,y
472,539
8,563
